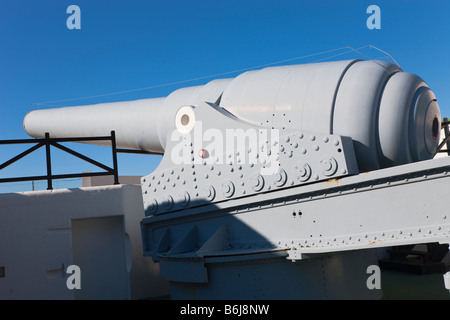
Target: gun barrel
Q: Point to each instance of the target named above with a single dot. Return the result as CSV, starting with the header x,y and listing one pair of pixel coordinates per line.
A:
x,y
391,115
139,124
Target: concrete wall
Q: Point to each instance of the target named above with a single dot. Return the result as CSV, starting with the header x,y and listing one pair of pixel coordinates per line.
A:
x,y
96,181
96,228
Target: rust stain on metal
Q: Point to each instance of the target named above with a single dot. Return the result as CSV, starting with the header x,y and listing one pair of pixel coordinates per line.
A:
x,y
333,182
375,242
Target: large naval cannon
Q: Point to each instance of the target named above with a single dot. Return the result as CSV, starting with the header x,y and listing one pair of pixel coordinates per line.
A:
x,y
317,164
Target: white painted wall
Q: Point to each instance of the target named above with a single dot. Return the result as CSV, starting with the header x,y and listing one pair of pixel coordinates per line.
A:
x,y
43,232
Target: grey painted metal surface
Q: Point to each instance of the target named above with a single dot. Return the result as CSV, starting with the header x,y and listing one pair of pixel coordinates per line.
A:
x,y
263,276
141,124
280,178
447,280
378,209
296,158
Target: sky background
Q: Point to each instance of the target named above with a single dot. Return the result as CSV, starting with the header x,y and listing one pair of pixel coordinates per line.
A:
x,y
127,45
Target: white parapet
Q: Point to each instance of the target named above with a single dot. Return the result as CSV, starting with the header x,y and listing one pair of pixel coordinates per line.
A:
x,y
42,233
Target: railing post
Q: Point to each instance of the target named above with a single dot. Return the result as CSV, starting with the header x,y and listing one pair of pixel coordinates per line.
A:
x,y
114,151
49,163
446,132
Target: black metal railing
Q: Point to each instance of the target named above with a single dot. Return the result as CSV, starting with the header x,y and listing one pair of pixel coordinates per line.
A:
x,y
47,142
446,140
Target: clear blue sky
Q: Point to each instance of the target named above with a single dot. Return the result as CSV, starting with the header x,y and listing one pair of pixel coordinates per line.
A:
x,y
124,45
